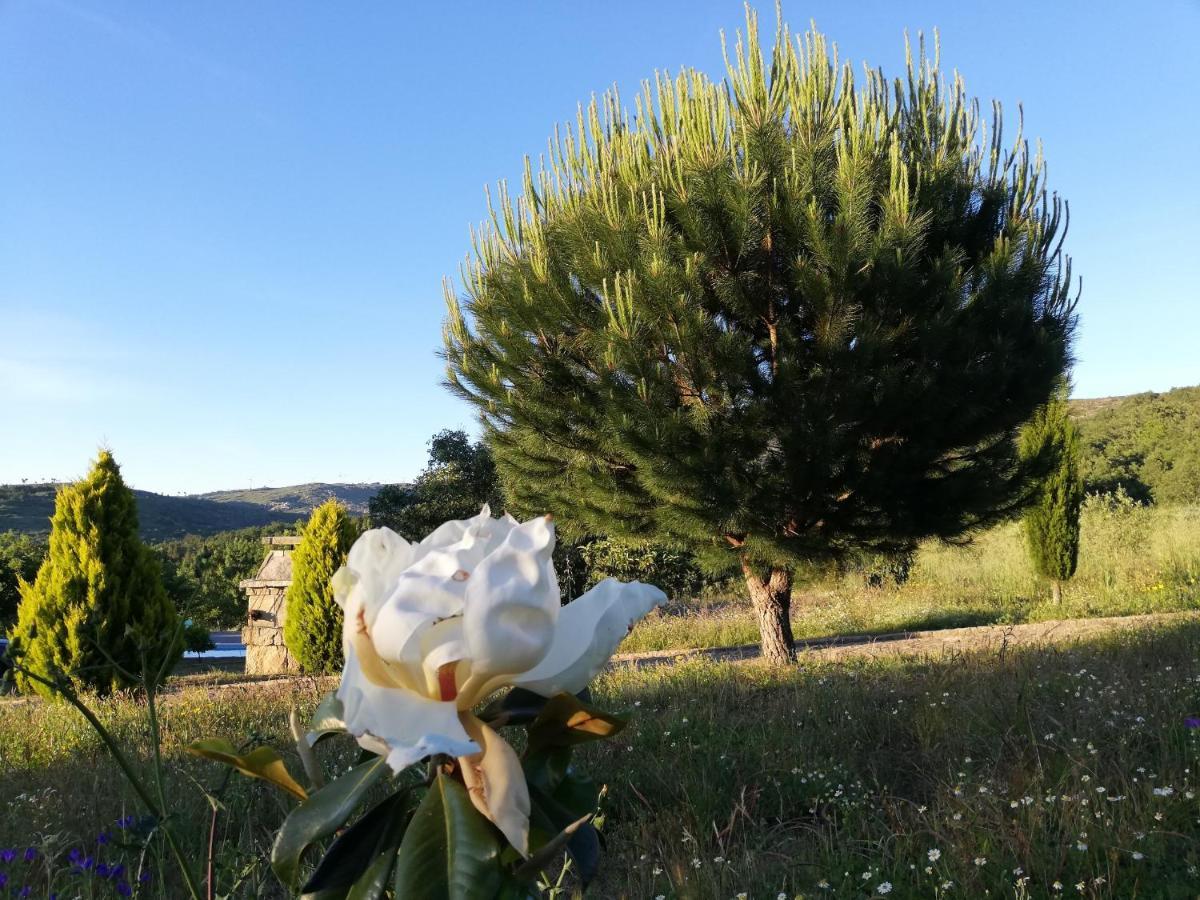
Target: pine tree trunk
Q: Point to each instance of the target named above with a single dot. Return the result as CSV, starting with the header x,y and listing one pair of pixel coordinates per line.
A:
x,y
1056,590
771,596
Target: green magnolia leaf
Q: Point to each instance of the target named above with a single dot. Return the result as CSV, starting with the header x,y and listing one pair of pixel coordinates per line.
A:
x,y
320,815
550,851
261,762
361,858
373,883
328,719
577,793
547,767
517,707
450,851
520,707
566,720
583,842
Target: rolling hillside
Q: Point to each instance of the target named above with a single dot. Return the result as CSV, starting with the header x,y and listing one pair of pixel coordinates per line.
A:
x,y
300,498
1148,444
27,508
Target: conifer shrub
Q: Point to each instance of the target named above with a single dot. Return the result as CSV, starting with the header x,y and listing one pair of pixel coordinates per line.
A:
x,y
1052,520
312,629
96,614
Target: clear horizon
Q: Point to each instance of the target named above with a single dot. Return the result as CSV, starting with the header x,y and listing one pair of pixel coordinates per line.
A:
x,y
225,228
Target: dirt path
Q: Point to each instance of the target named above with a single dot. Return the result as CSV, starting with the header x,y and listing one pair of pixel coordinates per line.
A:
x,y
902,643
930,643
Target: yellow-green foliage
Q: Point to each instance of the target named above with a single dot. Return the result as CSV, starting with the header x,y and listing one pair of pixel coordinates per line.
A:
x,y
97,610
313,628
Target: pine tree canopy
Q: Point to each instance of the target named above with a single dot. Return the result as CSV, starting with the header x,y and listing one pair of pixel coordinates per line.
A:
x,y
97,610
785,315
312,629
1052,519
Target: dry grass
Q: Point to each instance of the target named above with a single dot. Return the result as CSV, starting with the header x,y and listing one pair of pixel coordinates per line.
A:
x,y
1133,560
740,778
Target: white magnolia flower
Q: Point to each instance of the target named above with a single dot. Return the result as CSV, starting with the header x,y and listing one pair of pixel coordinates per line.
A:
x,y
433,628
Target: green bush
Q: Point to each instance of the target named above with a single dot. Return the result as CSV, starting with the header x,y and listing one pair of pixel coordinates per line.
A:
x,y
313,627
20,557
97,610
672,569
196,638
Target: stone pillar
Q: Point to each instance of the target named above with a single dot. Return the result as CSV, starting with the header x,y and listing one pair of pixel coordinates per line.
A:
x,y
266,653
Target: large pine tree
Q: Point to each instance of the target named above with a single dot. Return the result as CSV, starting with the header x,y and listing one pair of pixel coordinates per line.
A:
x,y
312,628
97,610
1052,520
774,319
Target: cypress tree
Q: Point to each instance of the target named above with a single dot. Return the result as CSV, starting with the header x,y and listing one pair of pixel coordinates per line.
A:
x,y
1052,520
313,627
774,320
97,608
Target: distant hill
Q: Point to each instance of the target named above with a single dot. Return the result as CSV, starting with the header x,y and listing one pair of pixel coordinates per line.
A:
x,y
28,507
300,498
1148,444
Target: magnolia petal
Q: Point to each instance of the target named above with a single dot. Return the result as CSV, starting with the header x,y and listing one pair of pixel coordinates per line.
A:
x,y
453,531
473,540
410,726
373,564
430,590
512,602
588,632
496,783
343,582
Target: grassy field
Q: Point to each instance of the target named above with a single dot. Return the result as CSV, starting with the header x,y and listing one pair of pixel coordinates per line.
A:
x,y
998,774
1133,559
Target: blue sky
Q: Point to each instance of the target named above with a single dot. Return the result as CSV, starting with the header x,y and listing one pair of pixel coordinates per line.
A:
x,y
224,227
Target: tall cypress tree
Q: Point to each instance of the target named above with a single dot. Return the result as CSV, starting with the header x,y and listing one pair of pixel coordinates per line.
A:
x,y
312,629
774,320
1052,520
97,608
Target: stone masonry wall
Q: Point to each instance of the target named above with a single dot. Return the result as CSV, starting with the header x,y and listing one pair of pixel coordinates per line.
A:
x,y
266,653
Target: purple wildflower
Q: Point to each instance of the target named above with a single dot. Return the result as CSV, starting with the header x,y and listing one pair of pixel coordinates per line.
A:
x,y
144,878
125,821
75,856
1192,722
117,870
102,838
25,892
3,879
88,863
102,871
7,855
30,854
124,889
